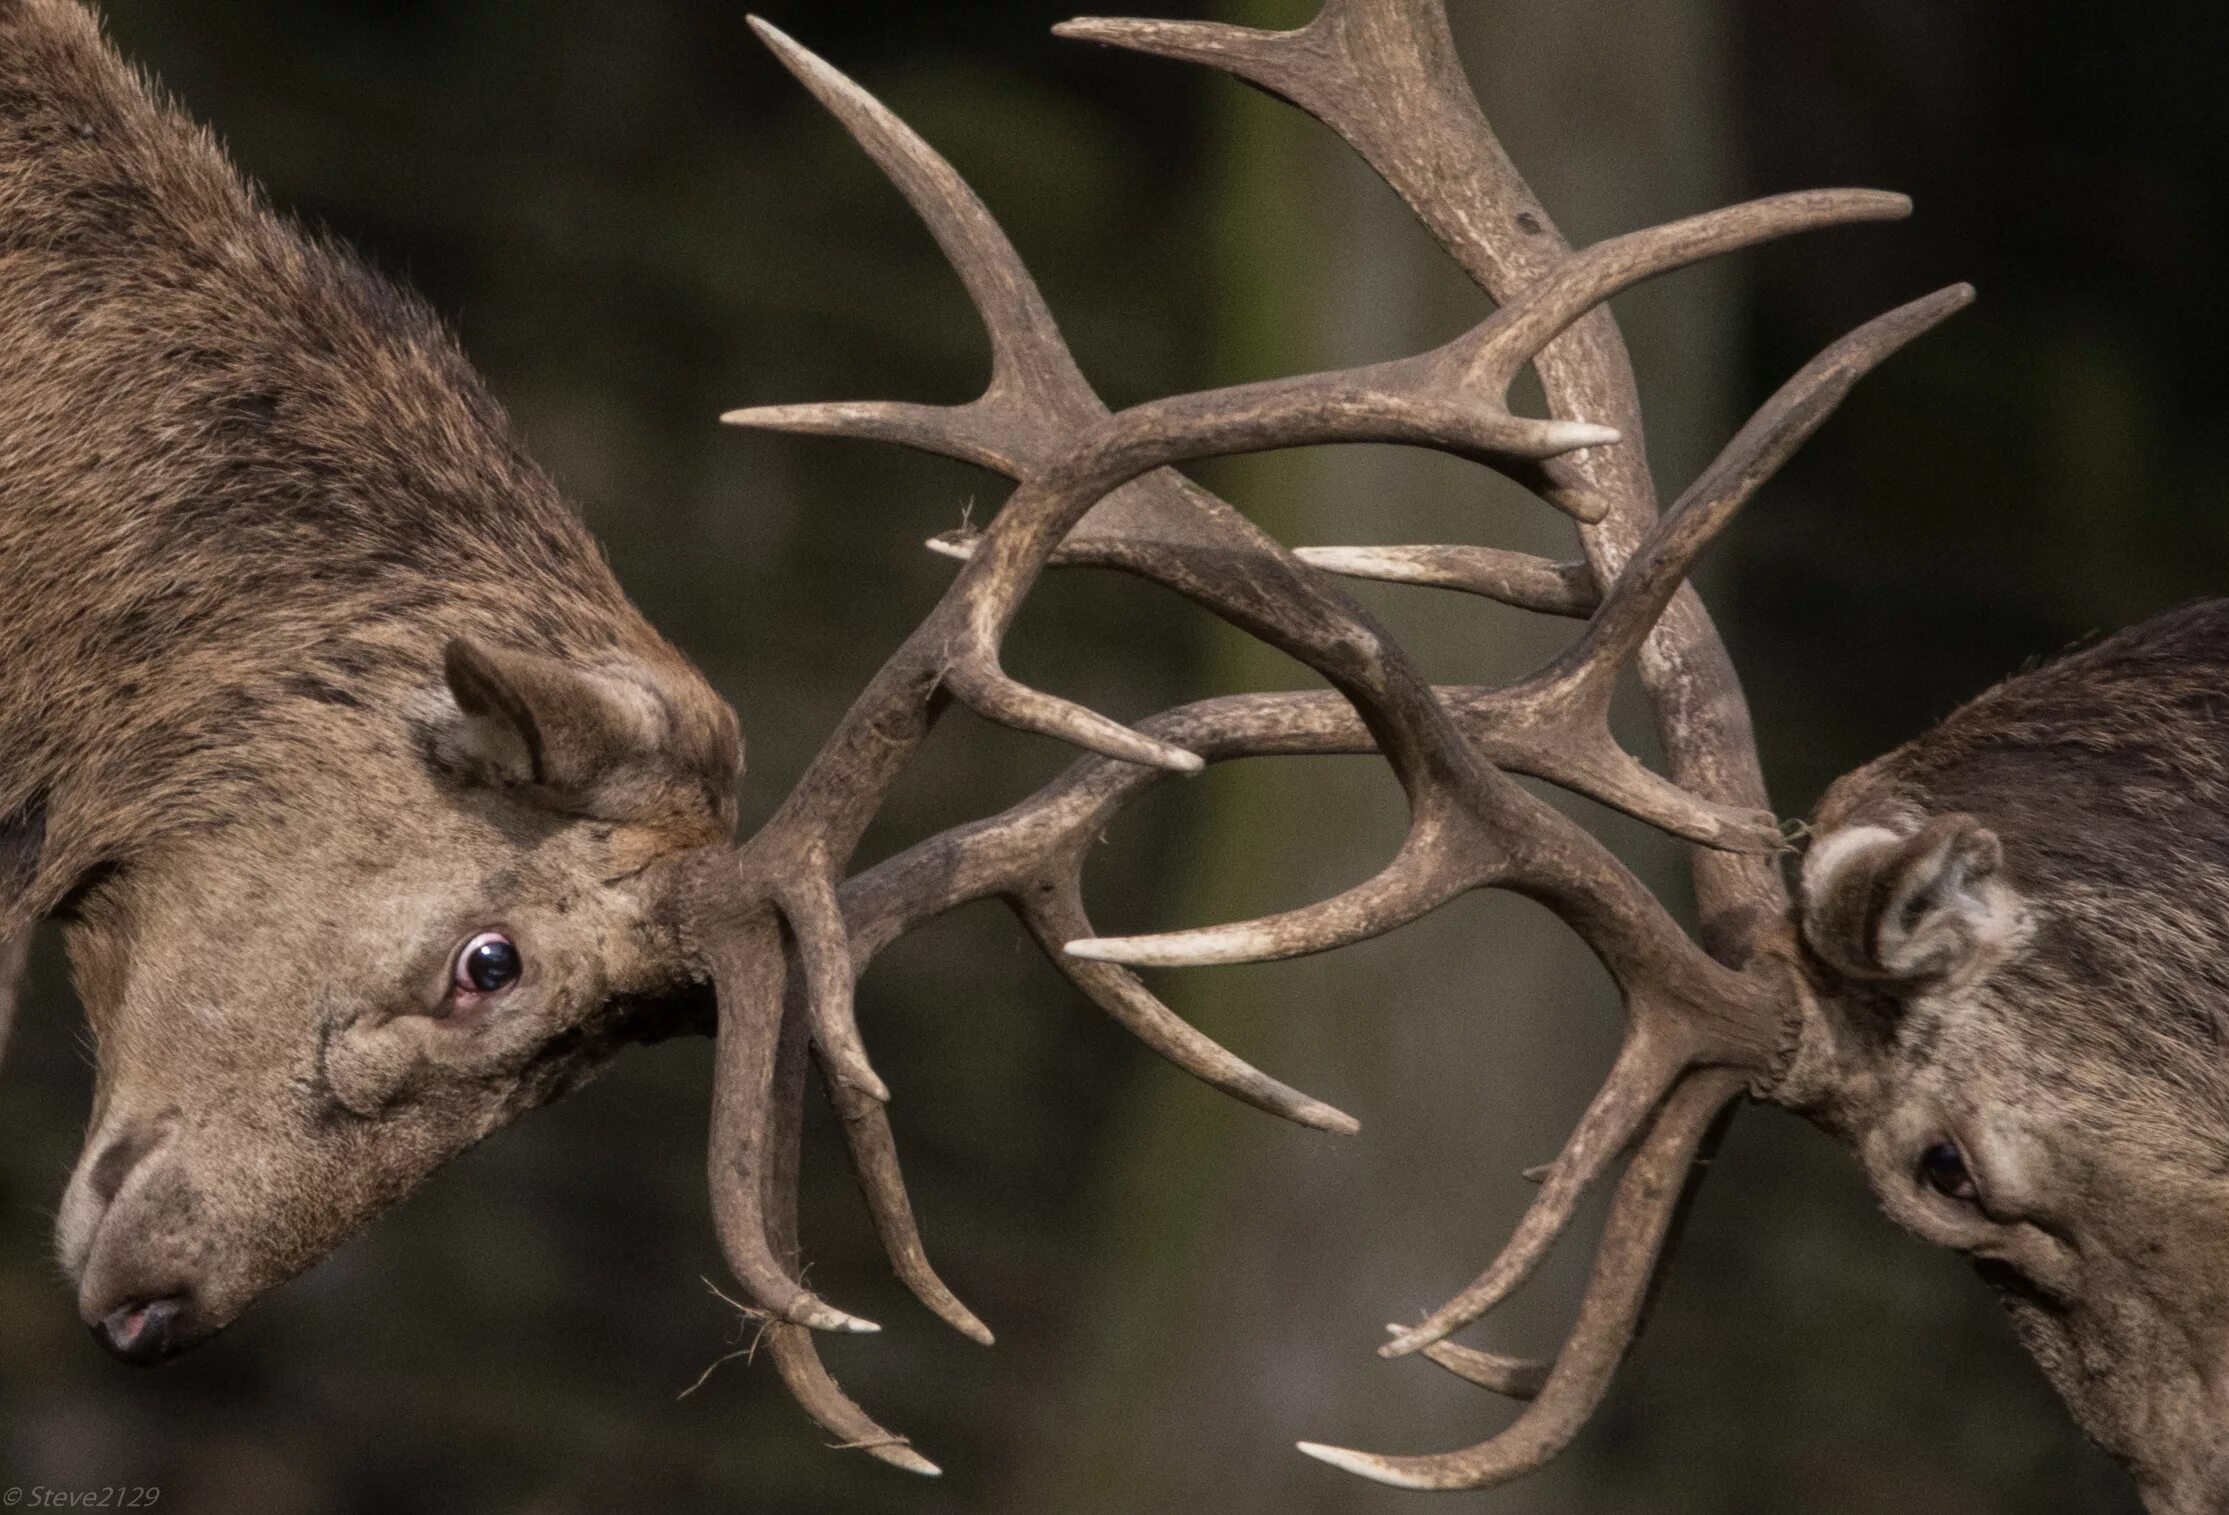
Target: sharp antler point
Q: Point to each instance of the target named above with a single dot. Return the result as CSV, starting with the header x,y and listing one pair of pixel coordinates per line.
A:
x,y
1571,436
1365,1464
905,1459
1318,1116
1406,1340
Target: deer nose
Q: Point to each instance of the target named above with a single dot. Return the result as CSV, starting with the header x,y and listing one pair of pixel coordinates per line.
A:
x,y
145,1334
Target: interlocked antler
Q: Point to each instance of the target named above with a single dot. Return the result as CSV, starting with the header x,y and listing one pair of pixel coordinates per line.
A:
x,y
784,936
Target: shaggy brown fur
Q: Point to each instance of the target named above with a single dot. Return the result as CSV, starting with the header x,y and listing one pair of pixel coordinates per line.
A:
x,y
251,488
307,676
2066,1023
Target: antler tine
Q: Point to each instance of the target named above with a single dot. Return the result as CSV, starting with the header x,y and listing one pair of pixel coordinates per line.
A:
x,y
1645,1072
874,1159
1513,578
1641,1216
1585,279
796,1357
747,965
1511,1377
1054,915
990,693
1034,379
1036,404
808,902
1562,711
1757,452
949,431
1441,860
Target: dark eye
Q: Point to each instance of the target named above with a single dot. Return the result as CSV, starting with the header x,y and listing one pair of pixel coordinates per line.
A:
x,y
1942,1168
489,964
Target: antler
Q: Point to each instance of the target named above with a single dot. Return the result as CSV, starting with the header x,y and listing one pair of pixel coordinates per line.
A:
x,y
783,935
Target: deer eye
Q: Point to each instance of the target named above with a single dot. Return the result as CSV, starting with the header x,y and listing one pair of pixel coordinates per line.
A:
x,y
488,964
1942,1168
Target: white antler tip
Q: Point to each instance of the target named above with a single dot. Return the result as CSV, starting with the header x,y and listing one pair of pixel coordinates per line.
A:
x,y
1093,28
828,1318
1143,951
1365,1464
768,32
1190,764
906,1458
1407,1339
953,544
1571,436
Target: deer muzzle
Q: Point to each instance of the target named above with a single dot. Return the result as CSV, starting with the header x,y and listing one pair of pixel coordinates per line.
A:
x,y
125,1237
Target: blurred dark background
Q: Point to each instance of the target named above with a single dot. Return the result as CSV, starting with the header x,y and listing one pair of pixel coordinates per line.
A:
x,y
637,221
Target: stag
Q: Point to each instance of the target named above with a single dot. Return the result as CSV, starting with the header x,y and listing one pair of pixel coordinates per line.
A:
x,y
515,807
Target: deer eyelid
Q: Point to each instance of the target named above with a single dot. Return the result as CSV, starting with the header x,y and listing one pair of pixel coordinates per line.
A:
x,y
1944,1168
484,967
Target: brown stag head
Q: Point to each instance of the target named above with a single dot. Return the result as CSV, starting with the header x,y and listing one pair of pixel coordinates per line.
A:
x,y
425,928
333,743
2013,922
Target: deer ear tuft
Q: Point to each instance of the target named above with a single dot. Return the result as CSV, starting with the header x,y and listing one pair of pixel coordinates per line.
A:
x,y
585,741
1914,909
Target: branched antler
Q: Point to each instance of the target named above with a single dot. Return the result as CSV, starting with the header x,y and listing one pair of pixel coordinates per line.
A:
x,y
784,935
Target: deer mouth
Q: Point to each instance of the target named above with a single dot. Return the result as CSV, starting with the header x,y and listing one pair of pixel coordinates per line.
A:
x,y
117,1227
148,1333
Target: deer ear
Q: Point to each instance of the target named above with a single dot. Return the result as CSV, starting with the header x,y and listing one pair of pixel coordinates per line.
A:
x,y
1908,909
585,741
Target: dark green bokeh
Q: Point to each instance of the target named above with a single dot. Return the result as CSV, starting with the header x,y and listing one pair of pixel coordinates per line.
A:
x,y
637,221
